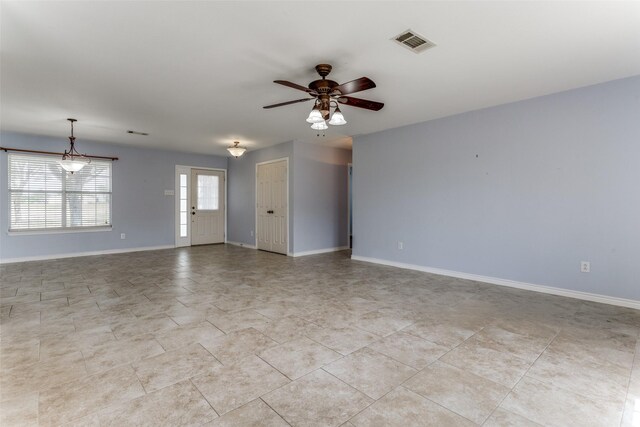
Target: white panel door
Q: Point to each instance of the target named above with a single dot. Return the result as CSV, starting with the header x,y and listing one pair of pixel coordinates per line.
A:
x,y
272,207
279,207
207,207
263,205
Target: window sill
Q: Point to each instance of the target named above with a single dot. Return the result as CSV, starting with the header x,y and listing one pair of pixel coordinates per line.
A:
x,y
59,231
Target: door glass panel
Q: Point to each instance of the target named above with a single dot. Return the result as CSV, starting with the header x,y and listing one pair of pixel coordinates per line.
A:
x,y
207,192
183,205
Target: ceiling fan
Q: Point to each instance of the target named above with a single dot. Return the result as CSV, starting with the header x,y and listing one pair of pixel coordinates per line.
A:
x,y
328,93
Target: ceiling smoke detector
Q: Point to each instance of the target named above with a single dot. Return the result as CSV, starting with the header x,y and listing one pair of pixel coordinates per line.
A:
x,y
413,41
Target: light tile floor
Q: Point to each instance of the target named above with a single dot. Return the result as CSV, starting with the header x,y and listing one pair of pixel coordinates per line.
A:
x,y
226,336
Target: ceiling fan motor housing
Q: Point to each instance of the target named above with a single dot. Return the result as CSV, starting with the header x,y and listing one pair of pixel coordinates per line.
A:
x,y
323,86
323,69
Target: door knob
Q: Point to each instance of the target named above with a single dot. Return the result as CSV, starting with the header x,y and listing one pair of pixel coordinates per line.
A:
x,y
193,213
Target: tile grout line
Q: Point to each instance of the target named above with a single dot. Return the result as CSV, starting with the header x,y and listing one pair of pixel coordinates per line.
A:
x,y
589,397
342,356
138,378
441,361
273,409
402,384
352,387
633,364
521,378
282,373
203,396
207,350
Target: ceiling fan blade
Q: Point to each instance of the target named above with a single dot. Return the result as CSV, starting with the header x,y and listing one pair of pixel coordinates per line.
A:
x,y
361,103
357,85
287,103
295,86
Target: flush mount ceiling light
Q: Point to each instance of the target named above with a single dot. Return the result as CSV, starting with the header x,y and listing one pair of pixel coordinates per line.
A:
x,y
235,150
72,161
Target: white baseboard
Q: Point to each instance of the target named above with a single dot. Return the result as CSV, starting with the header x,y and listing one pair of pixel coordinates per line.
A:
x,y
295,254
510,283
244,245
80,254
318,251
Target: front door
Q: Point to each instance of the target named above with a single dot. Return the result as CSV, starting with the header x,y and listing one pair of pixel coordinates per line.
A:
x,y
272,207
207,207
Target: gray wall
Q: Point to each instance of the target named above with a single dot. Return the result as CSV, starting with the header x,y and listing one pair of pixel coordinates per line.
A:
x,y
139,207
241,203
320,197
523,191
317,195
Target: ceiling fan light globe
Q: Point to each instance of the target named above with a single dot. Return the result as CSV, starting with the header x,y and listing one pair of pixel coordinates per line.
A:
x,y
315,116
320,126
337,119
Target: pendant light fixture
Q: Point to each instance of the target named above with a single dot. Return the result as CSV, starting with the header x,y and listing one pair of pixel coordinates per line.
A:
x,y
72,161
235,150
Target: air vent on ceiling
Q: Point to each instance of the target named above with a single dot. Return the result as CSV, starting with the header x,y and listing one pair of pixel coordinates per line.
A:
x,y
133,132
413,41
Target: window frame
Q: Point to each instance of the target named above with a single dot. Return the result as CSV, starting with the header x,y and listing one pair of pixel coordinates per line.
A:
x,y
63,192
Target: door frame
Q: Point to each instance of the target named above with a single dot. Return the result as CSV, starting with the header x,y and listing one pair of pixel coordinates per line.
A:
x,y
255,230
349,201
179,169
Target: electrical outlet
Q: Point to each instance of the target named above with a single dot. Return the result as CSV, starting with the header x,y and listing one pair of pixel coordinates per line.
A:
x,y
400,246
123,236
251,233
169,192
585,267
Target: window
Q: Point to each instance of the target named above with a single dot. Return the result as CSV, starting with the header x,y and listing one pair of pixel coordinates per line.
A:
x,y
183,205
207,192
43,196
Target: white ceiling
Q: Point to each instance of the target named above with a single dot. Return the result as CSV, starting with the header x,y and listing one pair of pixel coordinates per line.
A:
x,y
195,75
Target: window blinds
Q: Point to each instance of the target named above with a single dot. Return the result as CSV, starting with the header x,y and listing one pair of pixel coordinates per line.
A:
x,y
42,195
